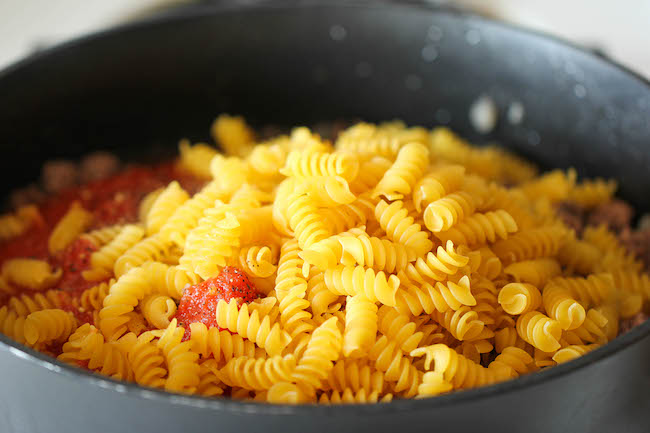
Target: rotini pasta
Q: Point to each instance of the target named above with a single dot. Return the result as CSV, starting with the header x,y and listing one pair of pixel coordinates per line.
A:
x,y
73,223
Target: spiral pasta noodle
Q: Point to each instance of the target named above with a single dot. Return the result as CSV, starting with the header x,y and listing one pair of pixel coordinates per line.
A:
x,y
103,261
519,298
158,309
355,375
591,193
439,266
355,280
481,228
147,361
73,223
409,166
318,359
264,333
49,325
437,184
310,163
530,244
164,206
305,221
257,374
360,326
400,228
30,273
540,331
24,305
375,253
15,224
442,214
396,366
221,345
414,298
102,236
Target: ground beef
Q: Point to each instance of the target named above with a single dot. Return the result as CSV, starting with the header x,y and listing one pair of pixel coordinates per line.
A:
x,y
628,324
572,214
58,175
638,243
98,166
31,194
616,214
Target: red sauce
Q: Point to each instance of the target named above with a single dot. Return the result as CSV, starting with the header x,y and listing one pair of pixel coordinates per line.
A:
x,y
112,200
74,260
199,302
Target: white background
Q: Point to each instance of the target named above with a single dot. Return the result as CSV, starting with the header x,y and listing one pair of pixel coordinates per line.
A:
x,y
621,28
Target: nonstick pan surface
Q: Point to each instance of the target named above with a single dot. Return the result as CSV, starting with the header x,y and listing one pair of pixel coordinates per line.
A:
x,y
137,89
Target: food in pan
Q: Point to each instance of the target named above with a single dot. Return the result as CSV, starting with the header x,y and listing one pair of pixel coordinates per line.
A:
x,y
391,262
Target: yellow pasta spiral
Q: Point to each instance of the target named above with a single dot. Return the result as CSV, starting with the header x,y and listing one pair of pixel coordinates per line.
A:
x,y
102,236
257,374
593,329
314,163
508,337
264,333
579,256
414,297
463,323
87,344
148,362
15,224
164,206
328,191
360,326
126,293
572,352
560,305
69,227
210,244
158,310
461,372
555,185
12,324
103,261
519,298
222,345
320,298
346,216
536,272
435,185
539,330
49,325
400,228
182,363
288,393
594,290
375,253
196,159
152,248
233,134
355,375
490,265
438,266
433,383
442,214
30,273
348,396
354,280
25,304
511,363
370,172
209,383
480,228
256,261
396,366
329,252
187,215
409,166
608,243
531,244
304,220
384,140
591,193
92,299
317,361
399,328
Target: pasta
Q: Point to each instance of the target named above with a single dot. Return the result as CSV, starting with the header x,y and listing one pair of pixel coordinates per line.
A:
x,y
395,263
73,223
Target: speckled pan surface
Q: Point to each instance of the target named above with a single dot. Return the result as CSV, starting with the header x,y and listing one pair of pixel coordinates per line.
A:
x,y
144,86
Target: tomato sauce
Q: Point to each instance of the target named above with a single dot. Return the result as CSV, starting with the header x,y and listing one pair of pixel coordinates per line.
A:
x,y
199,302
111,201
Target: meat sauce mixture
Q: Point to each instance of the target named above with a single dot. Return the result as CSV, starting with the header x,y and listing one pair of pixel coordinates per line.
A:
x,y
116,200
